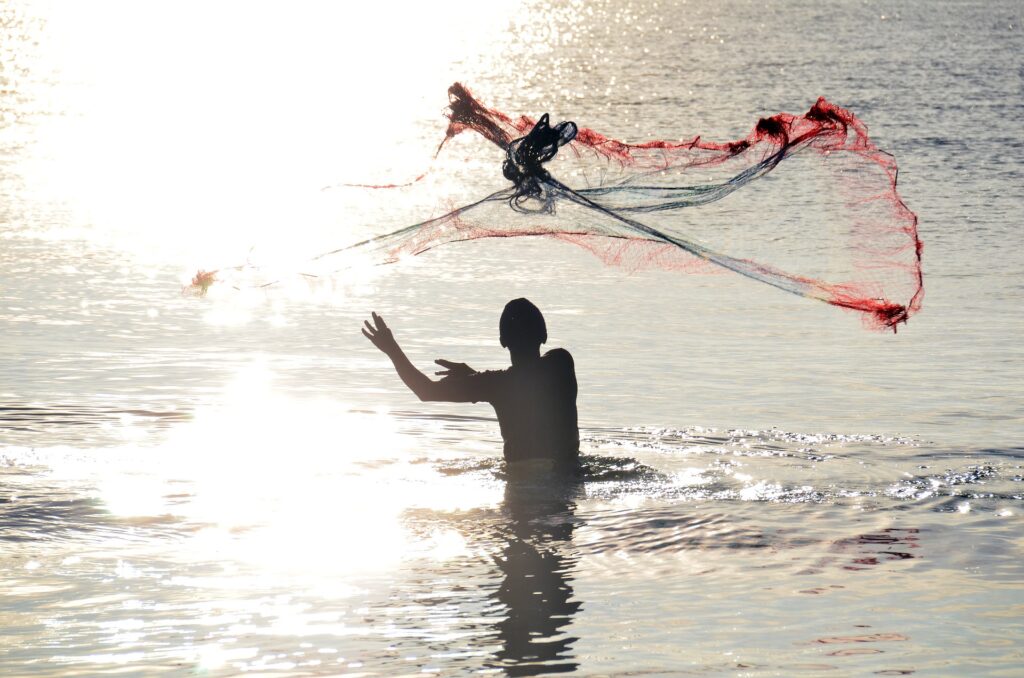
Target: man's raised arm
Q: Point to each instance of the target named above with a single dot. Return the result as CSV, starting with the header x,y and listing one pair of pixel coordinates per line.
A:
x,y
423,386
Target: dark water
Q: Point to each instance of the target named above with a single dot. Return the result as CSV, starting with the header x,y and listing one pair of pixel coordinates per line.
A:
x,y
240,484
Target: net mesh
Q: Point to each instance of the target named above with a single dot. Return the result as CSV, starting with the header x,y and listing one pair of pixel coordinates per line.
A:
x,y
832,227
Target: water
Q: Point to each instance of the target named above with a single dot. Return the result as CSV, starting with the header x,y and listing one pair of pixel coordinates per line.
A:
x,y
241,484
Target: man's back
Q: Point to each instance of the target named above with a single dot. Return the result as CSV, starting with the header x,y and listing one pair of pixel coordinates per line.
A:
x,y
536,407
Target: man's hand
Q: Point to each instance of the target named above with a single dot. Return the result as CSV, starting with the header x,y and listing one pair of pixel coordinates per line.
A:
x,y
380,334
453,369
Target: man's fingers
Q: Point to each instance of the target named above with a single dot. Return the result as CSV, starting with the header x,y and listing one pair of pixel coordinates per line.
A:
x,y
367,335
368,327
453,369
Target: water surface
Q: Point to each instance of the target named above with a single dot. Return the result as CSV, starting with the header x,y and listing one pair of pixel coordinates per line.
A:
x,y
239,483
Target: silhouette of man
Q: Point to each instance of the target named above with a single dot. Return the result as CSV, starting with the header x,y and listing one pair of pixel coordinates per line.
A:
x,y
535,398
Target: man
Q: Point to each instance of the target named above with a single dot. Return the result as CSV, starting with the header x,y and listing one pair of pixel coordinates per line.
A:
x,y
535,398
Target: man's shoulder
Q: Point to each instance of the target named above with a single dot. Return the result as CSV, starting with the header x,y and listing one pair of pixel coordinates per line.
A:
x,y
559,356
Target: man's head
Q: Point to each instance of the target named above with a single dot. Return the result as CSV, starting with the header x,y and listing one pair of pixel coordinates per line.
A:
x,y
522,325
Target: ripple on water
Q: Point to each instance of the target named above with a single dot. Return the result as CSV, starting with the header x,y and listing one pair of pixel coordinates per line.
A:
x,y
766,522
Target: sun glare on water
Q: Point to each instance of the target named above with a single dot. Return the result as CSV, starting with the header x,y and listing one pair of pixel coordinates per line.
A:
x,y
201,130
304,487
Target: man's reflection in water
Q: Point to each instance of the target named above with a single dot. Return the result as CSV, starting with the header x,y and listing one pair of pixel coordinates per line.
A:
x,y
536,591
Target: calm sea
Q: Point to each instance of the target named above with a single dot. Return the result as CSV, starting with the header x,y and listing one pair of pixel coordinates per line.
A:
x,y
240,483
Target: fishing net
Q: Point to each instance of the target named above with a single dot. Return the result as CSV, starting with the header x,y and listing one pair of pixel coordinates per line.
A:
x,y
832,227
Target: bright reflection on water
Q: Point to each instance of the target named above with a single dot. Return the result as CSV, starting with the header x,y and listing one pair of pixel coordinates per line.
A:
x,y
239,483
300,496
195,125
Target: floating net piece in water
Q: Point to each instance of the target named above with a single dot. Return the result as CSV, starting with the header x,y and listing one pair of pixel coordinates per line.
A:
x,y
840,234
